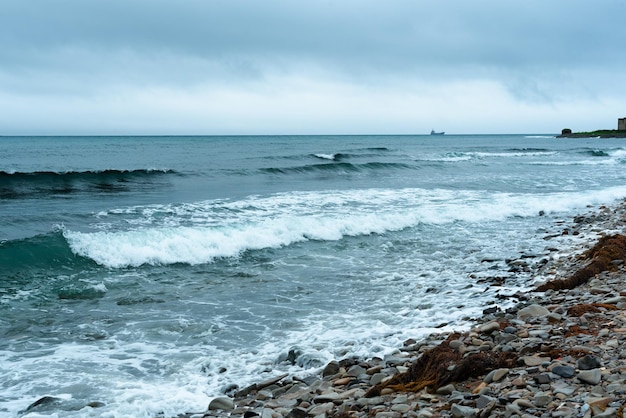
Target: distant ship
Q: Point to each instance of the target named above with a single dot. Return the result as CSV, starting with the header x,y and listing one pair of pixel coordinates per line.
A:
x,y
437,133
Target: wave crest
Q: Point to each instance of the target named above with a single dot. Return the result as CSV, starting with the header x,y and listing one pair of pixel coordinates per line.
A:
x,y
36,183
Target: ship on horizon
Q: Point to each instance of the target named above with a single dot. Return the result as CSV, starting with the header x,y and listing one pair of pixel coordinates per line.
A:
x,y
437,133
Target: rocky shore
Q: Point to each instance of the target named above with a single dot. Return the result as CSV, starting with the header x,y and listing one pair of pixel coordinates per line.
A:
x,y
560,352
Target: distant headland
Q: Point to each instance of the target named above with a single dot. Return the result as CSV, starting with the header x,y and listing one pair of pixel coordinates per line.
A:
x,y
620,132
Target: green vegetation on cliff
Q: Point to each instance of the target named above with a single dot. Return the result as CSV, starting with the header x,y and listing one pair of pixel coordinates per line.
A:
x,y
602,133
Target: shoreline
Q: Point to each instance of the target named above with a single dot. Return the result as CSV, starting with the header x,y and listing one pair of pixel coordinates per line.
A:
x,y
554,353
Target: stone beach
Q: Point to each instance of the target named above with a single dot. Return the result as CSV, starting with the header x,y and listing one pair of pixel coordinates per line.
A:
x,y
558,353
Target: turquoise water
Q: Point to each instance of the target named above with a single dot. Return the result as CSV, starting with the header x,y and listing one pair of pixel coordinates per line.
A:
x,y
150,274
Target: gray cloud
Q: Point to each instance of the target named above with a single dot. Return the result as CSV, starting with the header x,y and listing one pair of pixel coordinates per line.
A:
x,y
539,52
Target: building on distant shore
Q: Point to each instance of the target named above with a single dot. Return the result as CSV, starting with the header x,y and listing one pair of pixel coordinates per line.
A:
x,y
621,124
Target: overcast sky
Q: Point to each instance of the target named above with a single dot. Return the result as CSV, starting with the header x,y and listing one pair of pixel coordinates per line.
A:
x,y
310,67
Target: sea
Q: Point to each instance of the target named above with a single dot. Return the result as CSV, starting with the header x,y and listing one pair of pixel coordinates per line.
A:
x,y
145,276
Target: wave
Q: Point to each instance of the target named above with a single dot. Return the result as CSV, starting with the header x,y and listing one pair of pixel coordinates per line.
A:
x,y
591,157
24,184
40,252
332,157
339,167
530,150
477,155
219,230
598,153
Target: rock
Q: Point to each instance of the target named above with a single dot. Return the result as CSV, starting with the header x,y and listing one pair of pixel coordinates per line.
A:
x,y
564,371
510,330
356,371
446,390
524,403
541,399
271,381
42,402
598,405
489,327
563,389
495,375
377,378
459,411
331,369
321,409
608,413
222,403
402,408
342,382
297,413
327,397
588,362
483,401
542,378
519,382
534,361
592,377
456,344
499,374
532,311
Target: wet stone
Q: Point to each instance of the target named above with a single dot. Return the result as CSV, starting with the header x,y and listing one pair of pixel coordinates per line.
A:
x,y
297,413
592,377
564,389
331,369
564,371
532,311
356,371
542,399
543,378
489,327
483,401
455,344
222,403
535,361
459,411
446,390
588,362
510,330
377,378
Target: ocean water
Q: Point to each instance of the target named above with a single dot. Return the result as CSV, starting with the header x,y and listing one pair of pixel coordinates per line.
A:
x,y
146,275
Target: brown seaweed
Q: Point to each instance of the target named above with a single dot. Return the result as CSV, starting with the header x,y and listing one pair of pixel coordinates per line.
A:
x,y
442,365
601,258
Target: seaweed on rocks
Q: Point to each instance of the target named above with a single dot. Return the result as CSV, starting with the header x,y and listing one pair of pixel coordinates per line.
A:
x,y
581,309
606,255
442,365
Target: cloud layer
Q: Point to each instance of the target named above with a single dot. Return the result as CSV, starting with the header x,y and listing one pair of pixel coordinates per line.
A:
x,y
237,67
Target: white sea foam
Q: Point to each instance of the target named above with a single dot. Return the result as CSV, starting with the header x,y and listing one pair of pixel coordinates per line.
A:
x,y
326,156
468,156
618,153
203,232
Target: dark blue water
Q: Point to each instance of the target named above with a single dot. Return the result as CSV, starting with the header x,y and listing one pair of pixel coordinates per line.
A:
x,y
150,273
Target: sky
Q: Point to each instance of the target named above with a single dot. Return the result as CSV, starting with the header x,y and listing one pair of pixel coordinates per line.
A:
x,y
231,67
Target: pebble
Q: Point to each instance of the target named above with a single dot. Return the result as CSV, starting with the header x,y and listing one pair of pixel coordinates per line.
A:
x,y
223,403
592,377
564,371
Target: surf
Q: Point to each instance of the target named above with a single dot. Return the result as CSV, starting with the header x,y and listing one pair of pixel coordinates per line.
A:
x,y
212,230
